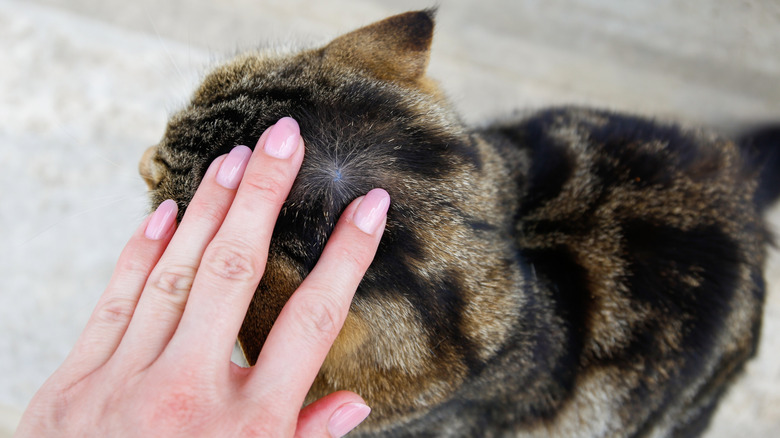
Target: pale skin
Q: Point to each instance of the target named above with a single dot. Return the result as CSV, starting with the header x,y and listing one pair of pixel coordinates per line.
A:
x,y
154,357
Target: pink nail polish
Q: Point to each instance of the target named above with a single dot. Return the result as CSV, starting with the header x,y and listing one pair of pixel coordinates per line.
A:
x,y
372,211
346,418
232,168
162,220
283,138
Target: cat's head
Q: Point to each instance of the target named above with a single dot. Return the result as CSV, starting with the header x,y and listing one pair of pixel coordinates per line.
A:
x,y
358,98
369,118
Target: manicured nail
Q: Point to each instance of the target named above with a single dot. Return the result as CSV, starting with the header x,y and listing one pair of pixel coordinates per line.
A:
x,y
162,220
232,168
346,418
283,138
372,210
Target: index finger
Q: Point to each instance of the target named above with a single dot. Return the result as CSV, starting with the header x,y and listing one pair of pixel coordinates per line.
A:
x,y
312,318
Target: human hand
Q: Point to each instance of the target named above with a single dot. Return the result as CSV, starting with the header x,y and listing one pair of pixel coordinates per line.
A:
x,y
154,358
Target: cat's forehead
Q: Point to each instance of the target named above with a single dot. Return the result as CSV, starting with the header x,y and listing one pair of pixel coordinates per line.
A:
x,y
251,70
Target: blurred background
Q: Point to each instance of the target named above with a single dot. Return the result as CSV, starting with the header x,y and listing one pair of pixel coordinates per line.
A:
x,y
87,85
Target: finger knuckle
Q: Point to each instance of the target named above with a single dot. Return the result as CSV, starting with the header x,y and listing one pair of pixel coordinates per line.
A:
x,y
134,262
115,310
352,258
271,188
231,261
209,210
319,316
173,281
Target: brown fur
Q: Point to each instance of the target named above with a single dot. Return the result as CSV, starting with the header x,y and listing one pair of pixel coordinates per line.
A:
x,y
569,273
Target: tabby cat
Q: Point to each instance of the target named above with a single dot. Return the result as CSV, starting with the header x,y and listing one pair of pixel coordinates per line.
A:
x,y
572,272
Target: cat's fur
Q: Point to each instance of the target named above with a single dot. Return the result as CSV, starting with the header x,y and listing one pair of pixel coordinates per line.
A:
x,y
569,273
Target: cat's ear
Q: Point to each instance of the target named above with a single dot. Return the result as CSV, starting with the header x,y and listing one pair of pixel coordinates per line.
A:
x,y
394,49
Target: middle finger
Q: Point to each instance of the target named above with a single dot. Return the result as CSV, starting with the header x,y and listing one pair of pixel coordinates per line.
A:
x,y
167,289
235,259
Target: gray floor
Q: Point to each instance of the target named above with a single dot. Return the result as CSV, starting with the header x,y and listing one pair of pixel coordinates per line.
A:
x,y
86,85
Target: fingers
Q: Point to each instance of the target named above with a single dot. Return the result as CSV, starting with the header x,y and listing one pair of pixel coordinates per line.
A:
x,y
224,236
109,320
312,318
167,287
155,304
332,416
234,261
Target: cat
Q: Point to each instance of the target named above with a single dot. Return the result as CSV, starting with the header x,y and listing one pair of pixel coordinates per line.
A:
x,y
568,272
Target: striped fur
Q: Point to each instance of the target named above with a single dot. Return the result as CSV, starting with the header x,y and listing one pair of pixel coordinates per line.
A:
x,y
572,272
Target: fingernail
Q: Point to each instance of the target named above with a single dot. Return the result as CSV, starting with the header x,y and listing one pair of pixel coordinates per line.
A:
x,y
283,138
372,211
346,418
161,220
232,168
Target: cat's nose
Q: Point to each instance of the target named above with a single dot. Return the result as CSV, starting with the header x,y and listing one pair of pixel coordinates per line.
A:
x,y
146,167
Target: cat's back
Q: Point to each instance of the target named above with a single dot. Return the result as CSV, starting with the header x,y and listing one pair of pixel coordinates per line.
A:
x,y
647,238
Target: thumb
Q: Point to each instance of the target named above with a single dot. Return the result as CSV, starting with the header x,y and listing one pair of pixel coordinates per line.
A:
x,y
332,416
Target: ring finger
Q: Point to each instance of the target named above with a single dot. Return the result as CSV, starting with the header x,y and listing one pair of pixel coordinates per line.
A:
x,y
167,288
